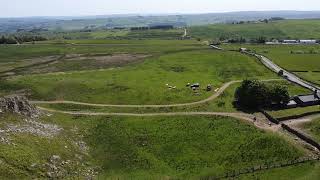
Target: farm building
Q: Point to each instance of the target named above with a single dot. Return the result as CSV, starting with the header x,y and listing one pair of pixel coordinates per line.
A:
x,y
292,104
290,41
308,41
307,100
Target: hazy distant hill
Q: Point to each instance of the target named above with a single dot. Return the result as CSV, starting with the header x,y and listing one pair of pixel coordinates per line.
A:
x,y
109,21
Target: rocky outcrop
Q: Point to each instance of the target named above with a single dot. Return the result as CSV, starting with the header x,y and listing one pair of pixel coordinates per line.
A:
x,y
19,105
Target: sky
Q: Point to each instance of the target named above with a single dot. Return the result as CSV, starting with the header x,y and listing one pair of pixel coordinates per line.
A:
x,y
23,8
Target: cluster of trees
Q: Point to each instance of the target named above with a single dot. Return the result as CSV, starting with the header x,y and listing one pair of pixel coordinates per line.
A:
x,y
254,94
152,27
8,40
259,40
259,21
20,39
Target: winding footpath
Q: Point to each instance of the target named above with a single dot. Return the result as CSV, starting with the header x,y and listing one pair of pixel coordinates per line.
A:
x,y
212,97
259,123
241,116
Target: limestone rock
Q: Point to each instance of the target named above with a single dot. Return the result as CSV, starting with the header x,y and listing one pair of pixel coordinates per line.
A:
x,y
19,105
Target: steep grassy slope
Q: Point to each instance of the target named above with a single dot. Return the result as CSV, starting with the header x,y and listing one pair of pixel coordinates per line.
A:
x,y
181,146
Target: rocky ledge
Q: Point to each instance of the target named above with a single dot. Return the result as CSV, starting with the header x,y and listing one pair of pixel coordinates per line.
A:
x,y
19,105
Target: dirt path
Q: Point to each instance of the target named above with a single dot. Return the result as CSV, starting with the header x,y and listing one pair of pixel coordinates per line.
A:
x,y
299,121
242,116
212,97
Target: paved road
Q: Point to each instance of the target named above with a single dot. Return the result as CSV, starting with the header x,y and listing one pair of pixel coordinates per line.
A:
x,y
212,97
289,76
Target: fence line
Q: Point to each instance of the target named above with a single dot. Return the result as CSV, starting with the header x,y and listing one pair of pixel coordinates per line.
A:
x,y
266,166
301,136
298,116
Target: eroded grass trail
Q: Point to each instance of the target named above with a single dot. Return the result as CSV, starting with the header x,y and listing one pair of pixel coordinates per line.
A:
x,y
261,124
212,97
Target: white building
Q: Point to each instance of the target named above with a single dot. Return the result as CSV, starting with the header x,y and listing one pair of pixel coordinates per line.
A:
x,y
308,41
290,41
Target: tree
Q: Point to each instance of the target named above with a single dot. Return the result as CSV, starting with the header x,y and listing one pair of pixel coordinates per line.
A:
x,y
279,94
252,94
2,40
261,39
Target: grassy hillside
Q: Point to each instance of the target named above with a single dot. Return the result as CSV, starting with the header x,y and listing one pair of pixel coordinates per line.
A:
x,y
300,29
134,147
181,146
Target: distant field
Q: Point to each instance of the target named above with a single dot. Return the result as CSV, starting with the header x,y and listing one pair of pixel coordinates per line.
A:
x,y
11,53
146,83
13,56
118,34
286,29
301,60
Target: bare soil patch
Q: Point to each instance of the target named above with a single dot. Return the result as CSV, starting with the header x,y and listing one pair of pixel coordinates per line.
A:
x,y
107,59
80,62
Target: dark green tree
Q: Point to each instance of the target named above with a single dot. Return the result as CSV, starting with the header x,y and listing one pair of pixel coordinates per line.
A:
x,y
279,94
252,94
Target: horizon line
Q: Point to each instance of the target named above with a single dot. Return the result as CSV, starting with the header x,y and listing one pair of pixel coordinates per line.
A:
x,y
152,14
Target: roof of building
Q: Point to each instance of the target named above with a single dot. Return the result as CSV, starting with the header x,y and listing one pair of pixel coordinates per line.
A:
x,y
308,98
308,40
292,103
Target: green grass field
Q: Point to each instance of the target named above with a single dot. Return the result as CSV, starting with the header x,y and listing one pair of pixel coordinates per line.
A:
x,y
310,171
181,146
143,148
286,29
146,83
313,128
224,103
294,112
178,147
301,60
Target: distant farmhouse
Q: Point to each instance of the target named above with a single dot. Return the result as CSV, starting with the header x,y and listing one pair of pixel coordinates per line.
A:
x,y
291,41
